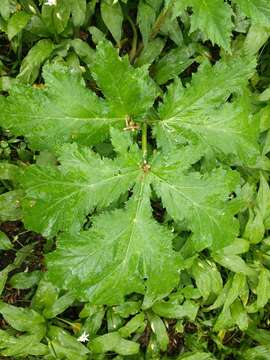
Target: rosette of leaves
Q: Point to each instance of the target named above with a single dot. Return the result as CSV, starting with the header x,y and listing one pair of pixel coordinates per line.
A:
x,y
180,149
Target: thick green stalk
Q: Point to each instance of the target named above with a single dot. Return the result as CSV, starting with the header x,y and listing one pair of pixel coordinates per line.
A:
x,y
144,141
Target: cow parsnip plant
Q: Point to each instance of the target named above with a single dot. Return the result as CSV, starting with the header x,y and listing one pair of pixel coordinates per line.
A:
x,y
126,248
141,157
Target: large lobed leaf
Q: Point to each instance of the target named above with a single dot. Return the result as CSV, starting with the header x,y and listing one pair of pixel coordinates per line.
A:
x,y
59,198
210,86
129,91
64,110
212,17
125,251
202,201
257,10
198,113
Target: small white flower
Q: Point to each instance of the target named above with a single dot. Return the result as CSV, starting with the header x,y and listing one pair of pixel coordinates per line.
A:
x,y
84,337
50,2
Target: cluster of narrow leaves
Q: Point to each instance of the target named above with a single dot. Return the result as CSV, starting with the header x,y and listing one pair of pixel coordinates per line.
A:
x,y
144,182
54,27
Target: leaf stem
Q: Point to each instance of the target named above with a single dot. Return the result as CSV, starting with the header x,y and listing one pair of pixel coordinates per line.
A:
x,y
65,321
76,32
161,19
133,51
144,141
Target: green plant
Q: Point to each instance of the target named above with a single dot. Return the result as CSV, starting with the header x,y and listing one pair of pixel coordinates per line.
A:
x,y
127,245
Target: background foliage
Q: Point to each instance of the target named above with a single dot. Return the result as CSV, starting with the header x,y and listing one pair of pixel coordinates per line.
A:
x,y
198,71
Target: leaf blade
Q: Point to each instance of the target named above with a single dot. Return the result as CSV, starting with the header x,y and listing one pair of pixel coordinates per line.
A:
x,y
138,251
67,111
130,92
60,198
